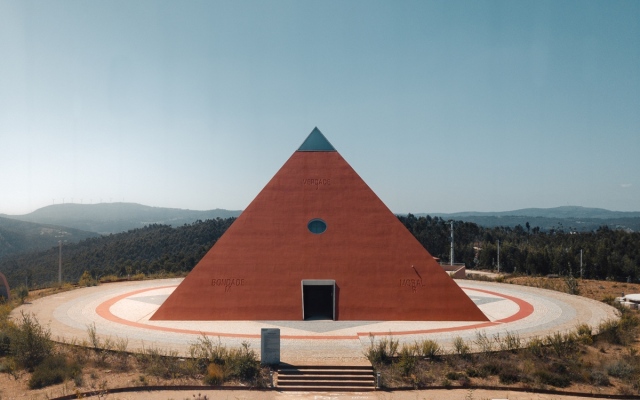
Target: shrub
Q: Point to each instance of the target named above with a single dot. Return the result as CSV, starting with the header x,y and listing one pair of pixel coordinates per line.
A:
x,y
109,278
120,345
137,277
584,330
585,334
54,369
8,366
215,374
572,285
429,348
382,351
143,380
564,345
5,342
483,342
491,368
158,363
206,352
460,347
5,310
608,331
536,347
102,348
464,381
94,340
86,279
221,363
22,293
30,342
243,363
511,342
546,377
78,380
620,369
599,378
474,372
628,327
454,375
407,360
622,332
509,377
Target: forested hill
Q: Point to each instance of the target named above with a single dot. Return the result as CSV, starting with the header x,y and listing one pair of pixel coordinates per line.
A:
x,y
106,218
573,218
20,236
606,253
151,249
551,224
576,212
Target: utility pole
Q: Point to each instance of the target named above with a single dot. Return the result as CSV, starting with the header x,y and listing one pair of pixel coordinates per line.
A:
x,y
580,263
498,255
451,258
60,262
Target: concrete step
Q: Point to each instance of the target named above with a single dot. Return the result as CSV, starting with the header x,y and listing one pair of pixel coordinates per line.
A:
x,y
326,388
324,372
324,383
344,377
325,378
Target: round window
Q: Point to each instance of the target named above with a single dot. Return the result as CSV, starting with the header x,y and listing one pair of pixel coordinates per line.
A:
x,y
317,226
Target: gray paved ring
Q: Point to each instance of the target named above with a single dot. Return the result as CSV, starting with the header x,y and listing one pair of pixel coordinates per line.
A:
x,y
123,310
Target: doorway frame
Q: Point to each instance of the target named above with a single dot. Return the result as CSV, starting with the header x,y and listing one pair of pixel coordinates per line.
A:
x,y
319,282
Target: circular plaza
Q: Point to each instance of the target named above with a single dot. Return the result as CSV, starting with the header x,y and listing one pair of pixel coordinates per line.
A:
x,y
123,310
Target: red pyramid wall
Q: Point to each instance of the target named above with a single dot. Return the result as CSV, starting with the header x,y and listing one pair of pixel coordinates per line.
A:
x,y
255,269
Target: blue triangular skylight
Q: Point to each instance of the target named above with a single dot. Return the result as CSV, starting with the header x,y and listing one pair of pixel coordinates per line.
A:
x,y
316,142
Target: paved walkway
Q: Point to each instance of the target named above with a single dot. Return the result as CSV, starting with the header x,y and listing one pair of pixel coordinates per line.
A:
x,y
123,310
437,394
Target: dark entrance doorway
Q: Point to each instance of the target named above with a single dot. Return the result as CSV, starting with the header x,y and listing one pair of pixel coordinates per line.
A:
x,y
318,299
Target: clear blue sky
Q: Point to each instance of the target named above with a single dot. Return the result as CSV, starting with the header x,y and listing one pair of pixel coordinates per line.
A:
x,y
439,106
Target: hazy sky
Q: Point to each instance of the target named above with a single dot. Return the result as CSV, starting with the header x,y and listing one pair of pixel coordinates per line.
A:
x,y
439,106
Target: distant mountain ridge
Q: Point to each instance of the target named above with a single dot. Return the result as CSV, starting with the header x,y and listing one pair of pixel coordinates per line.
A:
x,y
567,218
107,218
554,212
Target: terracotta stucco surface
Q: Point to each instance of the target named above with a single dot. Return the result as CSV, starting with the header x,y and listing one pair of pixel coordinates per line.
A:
x,y
255,269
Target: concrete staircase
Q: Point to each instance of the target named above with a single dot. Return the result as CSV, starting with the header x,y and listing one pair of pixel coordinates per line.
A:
x,y
326,378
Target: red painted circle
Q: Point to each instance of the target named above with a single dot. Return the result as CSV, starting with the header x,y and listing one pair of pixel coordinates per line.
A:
x,y
104,310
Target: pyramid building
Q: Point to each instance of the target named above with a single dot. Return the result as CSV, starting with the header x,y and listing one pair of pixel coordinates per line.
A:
x,y
317,243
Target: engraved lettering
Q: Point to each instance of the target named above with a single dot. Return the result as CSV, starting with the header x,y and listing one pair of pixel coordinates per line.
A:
x,y
227,283
414,284
317,182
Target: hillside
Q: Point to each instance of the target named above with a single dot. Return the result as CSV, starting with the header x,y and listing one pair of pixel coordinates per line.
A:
x,y
20,236
553,213
567,218
151,249
107,218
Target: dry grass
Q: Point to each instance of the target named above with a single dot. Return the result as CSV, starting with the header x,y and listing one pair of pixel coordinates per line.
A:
x,y
563,363
98,364
608,363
